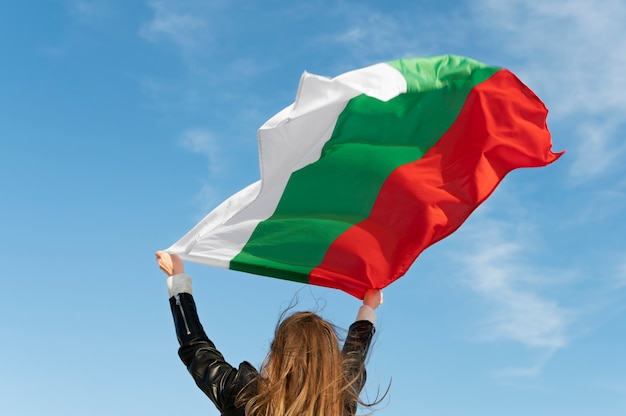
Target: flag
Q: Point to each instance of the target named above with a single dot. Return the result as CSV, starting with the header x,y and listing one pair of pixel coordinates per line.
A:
x,y
366,170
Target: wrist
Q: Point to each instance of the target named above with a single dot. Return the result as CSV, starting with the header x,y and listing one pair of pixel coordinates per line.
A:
x,y
179,283
366,313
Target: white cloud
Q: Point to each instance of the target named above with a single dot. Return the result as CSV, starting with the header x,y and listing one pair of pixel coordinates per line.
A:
x,y
370,31
496,264
499,274
190,30
188,25
206,199
532,370
596,152
620,275
177,26
90,11
369,35
618,387
201,141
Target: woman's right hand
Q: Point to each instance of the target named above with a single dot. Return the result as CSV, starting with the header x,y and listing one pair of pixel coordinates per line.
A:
x,y
373,298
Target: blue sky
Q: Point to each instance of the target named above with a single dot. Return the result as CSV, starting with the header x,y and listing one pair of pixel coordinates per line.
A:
x,y
122,123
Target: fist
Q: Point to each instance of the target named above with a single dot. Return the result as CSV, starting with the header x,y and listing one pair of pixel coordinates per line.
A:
x,y
373,298
171,264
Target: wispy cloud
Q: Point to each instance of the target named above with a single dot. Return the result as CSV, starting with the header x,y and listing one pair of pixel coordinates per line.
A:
x,y
599,149
496,262
612,386
84,12
372,34
529,371
620,274
90,11
603,203
524,299
194,33
185,29
368,35
500,274
201,141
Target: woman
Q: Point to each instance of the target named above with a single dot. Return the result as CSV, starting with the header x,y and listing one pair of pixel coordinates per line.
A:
x,y
304,374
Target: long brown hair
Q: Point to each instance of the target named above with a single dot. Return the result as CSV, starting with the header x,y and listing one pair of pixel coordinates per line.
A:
x,y
302,374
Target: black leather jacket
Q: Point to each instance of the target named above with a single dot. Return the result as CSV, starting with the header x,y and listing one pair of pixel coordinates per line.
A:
x,y
220,381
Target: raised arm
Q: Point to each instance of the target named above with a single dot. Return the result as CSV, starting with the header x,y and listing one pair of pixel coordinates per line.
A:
x,y
358,341
213,375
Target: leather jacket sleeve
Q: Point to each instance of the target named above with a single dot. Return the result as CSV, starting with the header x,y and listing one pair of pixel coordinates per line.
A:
x,y
220,381
355,351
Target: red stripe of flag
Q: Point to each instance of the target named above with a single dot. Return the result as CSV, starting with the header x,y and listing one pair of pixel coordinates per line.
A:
x,y
501,127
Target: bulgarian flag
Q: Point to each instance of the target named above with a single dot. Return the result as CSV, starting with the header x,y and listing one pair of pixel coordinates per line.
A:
x,y
366,170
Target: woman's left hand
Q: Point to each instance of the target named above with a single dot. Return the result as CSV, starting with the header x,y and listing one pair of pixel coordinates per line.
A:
x,y
171,264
